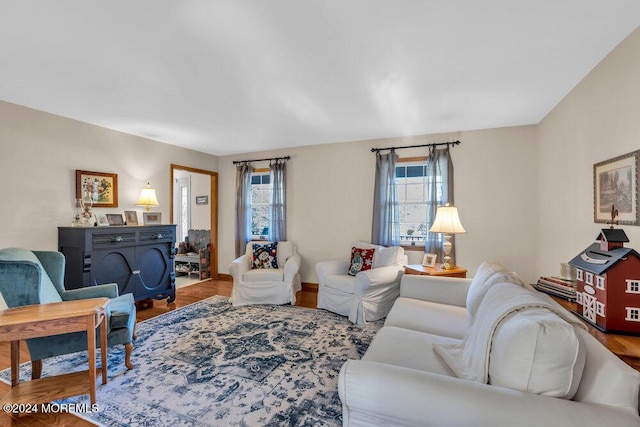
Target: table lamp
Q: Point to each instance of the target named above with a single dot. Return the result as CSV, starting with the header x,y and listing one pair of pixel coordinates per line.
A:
x,y
447,221
148,197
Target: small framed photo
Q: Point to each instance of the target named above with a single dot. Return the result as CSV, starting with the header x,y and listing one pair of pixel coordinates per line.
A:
x,y
101,220
115,219
131,217
429,260
152,218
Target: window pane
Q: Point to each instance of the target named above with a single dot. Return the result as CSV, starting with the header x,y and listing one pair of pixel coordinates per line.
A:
x,y
413,171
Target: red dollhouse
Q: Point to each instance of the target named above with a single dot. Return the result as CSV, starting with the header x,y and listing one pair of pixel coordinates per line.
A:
x,y
608,283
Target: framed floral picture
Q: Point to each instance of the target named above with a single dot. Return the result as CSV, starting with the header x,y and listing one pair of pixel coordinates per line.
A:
x,y
101,188
615,190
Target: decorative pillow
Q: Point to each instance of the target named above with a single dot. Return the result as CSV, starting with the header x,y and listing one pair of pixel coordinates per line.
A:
x,y
361,260
265,256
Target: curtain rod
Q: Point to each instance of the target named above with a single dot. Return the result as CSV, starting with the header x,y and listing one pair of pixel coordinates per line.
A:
x,y
235,162
376,150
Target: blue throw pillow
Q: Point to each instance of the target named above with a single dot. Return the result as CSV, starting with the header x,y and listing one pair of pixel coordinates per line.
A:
x,y
265,256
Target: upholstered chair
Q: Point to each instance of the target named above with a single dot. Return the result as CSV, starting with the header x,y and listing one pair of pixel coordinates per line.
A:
x,y
366,295
37,277
271,277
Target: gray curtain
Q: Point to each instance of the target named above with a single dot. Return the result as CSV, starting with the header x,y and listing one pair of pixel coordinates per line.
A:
x,y
277,222
385,229
243,207
438,165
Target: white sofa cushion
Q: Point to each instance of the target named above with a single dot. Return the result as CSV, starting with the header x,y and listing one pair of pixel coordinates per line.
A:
x,y
264,275
534,350
341,282
427,316
488,274
409,349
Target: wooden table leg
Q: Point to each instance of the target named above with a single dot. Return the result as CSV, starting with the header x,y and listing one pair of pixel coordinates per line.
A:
x,y
15,363
103,347
91,347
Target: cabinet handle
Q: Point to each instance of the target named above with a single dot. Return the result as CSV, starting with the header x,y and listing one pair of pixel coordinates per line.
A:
x,y
115,239
157,236
135,272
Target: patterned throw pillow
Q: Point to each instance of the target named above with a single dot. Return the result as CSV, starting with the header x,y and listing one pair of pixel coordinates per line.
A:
x,y
361,259
265,256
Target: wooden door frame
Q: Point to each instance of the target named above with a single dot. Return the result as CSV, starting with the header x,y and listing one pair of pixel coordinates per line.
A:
x,y
213,269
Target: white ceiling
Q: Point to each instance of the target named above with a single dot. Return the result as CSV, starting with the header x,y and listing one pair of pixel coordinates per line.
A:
x,y
234,76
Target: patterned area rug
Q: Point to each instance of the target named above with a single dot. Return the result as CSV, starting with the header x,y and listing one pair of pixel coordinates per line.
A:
x,y
211,364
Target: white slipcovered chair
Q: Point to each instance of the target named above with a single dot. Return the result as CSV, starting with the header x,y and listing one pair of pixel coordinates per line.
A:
x,y
266,285
370,294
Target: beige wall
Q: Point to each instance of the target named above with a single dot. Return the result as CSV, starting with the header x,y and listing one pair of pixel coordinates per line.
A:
x,y
330,197
598,120
39,153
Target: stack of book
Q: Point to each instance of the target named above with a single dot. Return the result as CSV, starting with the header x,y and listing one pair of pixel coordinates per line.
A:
x,y
557,286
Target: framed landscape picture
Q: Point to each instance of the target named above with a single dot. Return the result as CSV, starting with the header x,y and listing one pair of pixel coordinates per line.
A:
x,y
102,187
152,218
615,188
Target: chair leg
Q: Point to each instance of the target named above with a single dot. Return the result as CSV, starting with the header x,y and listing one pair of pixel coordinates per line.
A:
x,y
36,369
134,332
127,358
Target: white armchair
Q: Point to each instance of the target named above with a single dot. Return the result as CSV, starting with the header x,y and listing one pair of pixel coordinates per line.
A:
x,y
370,294
266,285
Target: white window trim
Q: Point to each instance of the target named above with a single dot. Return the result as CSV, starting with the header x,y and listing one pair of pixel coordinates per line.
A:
x,y
631,310
630,285
580,274
600,282
579,298
588,279
599,308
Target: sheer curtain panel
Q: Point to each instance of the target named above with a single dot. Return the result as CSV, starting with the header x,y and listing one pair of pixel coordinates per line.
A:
x,y
439,174
278,223
385,230
243,207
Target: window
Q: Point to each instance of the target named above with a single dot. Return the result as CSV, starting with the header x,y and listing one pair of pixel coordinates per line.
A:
x,y
588,278
412,187
633,314
633,286
600,282
579,274
579,298
260,204
599,308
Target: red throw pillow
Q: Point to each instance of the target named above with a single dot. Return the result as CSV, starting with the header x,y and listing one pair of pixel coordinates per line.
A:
x,y
361,259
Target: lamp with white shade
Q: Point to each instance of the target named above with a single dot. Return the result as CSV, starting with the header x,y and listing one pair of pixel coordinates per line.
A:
x,y
148,197
448,222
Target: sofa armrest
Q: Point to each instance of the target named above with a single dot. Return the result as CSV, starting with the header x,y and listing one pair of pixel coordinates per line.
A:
x,y
388,394
327,268
108,290
292,266
444,290
381,276
238,267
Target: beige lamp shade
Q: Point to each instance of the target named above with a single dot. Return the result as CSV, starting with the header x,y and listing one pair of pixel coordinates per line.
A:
x,y
447,221
148,197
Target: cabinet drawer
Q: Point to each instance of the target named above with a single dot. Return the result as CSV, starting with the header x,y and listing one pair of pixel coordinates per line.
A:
x,y
114,239
156,235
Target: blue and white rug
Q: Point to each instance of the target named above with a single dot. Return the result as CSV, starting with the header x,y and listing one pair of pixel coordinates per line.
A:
x,y
211,364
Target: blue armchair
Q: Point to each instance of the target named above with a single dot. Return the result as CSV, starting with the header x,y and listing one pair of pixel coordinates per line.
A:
x,y
37,277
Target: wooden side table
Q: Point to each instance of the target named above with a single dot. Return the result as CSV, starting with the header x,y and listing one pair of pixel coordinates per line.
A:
x,y
33,321
434,271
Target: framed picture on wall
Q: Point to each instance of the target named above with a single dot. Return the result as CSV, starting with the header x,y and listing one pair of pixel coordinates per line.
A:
x,y
152,218
101,187
615,190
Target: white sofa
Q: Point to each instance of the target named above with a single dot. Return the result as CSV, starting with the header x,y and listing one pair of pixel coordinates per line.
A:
x,y
403,379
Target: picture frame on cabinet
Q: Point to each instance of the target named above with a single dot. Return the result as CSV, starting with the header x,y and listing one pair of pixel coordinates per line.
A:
x,y
101,220
115,219
131,217
100,187
615,190
152,218
429,260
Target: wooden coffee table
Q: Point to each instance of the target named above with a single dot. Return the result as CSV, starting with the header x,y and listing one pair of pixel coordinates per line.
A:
x,y
434,271
41,320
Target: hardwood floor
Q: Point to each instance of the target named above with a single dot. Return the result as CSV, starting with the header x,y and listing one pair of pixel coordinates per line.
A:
x,y
184,296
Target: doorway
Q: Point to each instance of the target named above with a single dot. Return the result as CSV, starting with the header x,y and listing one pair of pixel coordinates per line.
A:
x,y
194,205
